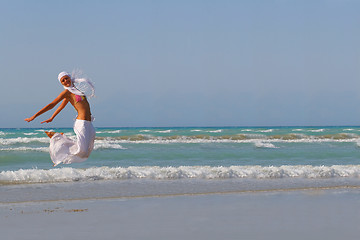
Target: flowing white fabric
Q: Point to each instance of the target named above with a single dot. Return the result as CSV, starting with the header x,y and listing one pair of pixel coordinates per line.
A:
x,y
80,86
65,150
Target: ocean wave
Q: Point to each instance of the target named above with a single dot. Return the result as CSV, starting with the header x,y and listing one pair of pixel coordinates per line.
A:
x,y
266,131
237,138
246,130
25,149
97,146
115,131
199,138
10,141
164,131
43,130
107,145
260,144
110,131
316,130
209,131
68,174
6,133
29,134
215,131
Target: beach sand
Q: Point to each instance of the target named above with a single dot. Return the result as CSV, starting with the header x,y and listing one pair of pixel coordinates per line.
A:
x,y
306,213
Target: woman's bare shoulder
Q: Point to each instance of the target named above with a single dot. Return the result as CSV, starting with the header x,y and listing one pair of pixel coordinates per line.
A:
x,y
63,94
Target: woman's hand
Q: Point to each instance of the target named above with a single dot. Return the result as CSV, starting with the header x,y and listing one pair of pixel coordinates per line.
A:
x,y
29,119
47,121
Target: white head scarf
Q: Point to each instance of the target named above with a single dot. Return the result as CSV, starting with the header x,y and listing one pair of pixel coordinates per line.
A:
x,y
80,86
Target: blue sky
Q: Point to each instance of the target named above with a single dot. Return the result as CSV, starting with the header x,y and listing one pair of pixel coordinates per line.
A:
x,y
185,63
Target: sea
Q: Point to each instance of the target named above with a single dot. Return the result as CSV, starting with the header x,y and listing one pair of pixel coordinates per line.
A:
x,y
275,181
191,153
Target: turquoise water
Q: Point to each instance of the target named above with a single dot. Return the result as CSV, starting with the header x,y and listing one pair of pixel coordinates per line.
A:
x,y
190,152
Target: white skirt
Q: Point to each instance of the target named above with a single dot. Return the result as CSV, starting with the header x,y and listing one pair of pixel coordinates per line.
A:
x,y
65,150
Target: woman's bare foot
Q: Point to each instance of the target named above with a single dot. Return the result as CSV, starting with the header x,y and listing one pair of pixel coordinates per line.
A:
x,y
50,134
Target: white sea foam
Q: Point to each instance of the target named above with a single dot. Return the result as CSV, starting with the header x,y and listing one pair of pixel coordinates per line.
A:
x,y
164,131
98,145
260,144
29,134
215,131
6,133
68,174
20,149
316,130
112,131
9,141
267,130
145,130
43,130
107,145
210,139
246,130
244,138
115,131
350,135
196,130
109,131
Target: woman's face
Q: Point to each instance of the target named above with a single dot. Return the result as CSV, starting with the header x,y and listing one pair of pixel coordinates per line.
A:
x,y
66,81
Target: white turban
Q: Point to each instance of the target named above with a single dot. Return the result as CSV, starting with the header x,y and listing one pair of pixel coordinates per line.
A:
x,y
80,86
62,74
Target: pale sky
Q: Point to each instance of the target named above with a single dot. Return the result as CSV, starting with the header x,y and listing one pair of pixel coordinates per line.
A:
x,y
184,63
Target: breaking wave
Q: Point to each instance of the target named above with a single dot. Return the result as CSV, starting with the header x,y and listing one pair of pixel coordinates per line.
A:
x,y
10,141
25,149
29,134
98,145
170,173
240,138
260,144
255,138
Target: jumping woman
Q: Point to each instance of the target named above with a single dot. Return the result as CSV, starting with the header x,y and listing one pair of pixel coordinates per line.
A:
x,y
63,149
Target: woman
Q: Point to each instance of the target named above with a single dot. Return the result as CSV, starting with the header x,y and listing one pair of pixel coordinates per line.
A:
x,y
63,149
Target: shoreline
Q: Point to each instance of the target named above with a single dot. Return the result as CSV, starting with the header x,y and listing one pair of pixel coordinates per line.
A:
x,y
286,190
131,189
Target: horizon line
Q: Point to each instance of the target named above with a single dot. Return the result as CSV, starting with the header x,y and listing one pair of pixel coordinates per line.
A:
x,y
219,126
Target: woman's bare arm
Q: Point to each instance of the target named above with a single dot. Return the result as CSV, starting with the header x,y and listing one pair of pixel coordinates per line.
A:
x,y
61,107
50,106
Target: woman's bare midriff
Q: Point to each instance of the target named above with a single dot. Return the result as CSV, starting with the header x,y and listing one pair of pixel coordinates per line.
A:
x,y
82,108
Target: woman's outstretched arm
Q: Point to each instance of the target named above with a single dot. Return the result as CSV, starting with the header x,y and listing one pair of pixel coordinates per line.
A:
x,y
61,107
50,106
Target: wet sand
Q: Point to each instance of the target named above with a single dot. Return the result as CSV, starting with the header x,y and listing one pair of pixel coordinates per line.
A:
x,y
323,213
